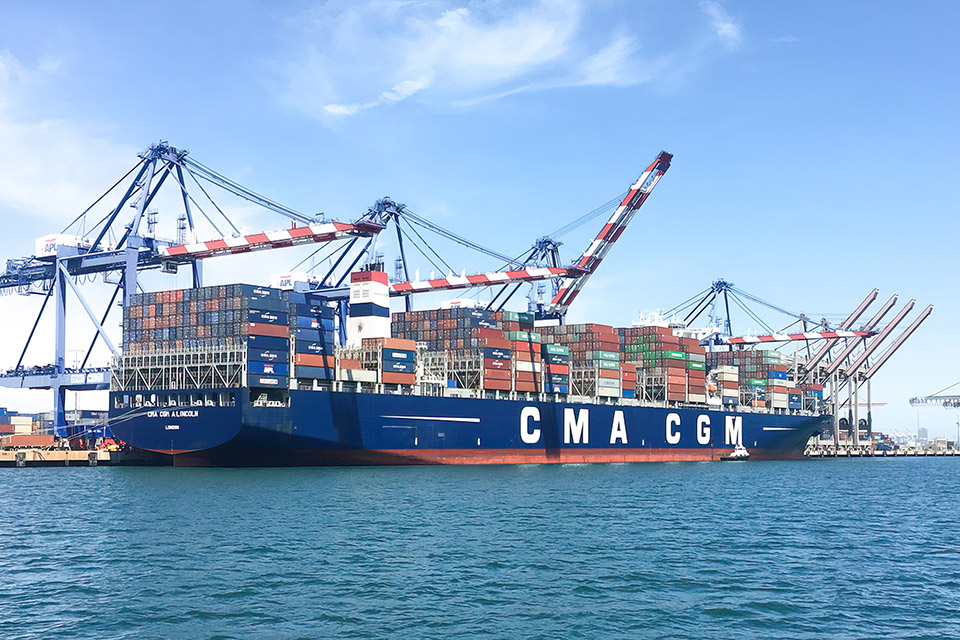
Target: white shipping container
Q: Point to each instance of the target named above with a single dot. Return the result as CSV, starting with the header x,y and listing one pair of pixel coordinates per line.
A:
x,y
357,375
523,365
607,383
697,397
730,393
609,393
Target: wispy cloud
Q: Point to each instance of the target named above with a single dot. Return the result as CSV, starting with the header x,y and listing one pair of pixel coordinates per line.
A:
x,y
786,39
727,29
363,55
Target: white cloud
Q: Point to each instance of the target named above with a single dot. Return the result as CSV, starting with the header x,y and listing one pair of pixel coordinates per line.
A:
x,y
356,56
727,29
786,39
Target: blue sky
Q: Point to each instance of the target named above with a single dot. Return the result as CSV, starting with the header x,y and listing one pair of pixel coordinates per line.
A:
x,y
813,143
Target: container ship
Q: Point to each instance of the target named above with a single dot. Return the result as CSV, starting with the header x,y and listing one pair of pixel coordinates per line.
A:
x,y
245,375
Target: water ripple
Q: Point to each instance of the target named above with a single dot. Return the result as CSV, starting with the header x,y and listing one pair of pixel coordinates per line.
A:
x,y
825,549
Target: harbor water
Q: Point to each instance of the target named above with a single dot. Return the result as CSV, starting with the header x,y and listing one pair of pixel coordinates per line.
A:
x,y
813,549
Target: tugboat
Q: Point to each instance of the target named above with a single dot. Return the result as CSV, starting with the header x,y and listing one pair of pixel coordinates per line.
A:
x,y
739,453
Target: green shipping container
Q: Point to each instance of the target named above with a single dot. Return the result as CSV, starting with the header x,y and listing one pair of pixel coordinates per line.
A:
x,y
700,366
608,364
757,382
556,349
675,355
605,355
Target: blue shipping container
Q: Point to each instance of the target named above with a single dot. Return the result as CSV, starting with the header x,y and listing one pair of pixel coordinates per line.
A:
x,y
268,342
306,322
730,400
317,373
269,368
315,335
629,393
552,358
399,355
369,309
267,317
314,310
258,291
268,355
558,388
307,346
497,353
394,366
278,382
779,375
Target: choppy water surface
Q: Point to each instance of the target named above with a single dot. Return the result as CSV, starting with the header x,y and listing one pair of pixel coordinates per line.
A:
x,y
819,549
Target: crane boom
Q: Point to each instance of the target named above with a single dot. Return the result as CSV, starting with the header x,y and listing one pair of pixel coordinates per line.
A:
x,y
794,337
584,267
531,274
811,365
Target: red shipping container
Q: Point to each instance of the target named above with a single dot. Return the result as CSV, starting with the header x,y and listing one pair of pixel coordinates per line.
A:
x,y
260,329
26,440
676,397
317,360
559,369
495,363
529,347
496,374
525,386
678,388
499,385
398,378
609,374
676,380
488,333
629,375
527,376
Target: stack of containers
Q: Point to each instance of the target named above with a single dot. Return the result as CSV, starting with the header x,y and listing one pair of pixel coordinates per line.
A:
x,y
728,380
394,359
497,364
628,379
459,328
312,323
527,368
216,317
777,396
268,336
556,364
811,396
208,317
607,367
696,370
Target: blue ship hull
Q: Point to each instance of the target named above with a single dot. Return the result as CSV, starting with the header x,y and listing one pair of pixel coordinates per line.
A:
x,y
342,428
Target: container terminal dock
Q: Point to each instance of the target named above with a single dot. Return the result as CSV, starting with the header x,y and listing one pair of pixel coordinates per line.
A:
x,y
339,368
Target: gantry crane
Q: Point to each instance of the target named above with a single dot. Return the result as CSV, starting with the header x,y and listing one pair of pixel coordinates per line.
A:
x,y
121,248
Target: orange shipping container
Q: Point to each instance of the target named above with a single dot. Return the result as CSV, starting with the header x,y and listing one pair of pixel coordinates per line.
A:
x,y
676,380
345,363
317,360
610,374
496,374
525,386
500,385
26,440
398,378
272,330
527,376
